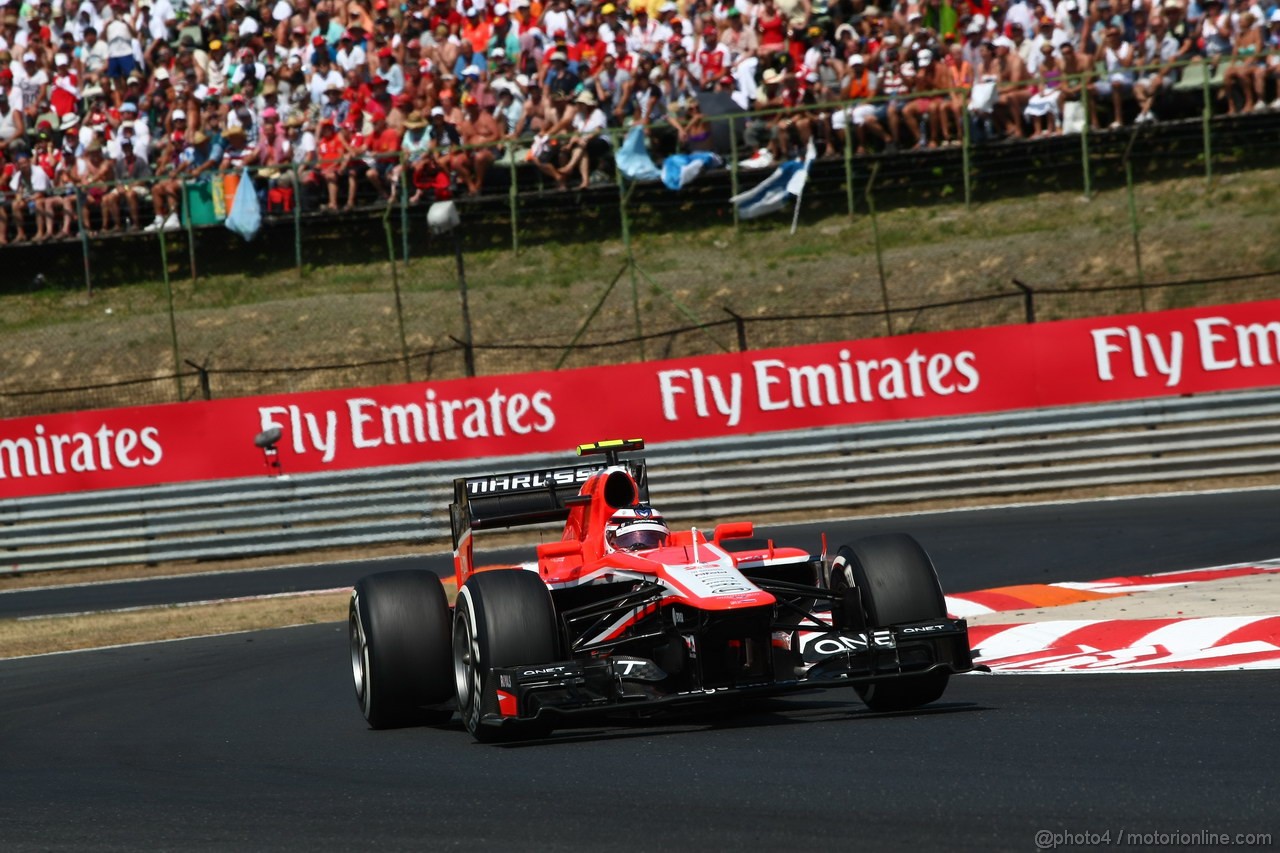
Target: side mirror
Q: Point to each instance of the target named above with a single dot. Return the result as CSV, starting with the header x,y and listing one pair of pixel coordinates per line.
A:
x,y
733,530
559,550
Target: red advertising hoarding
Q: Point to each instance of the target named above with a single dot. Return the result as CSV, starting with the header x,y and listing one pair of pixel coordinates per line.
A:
x,y
912,376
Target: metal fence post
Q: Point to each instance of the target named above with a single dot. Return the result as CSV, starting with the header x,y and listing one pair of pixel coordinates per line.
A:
x,y
733,169
468,344
964,157
81,217
403,185
513,194
623,195
1204,122
395,285
297,219
848,162
1084,137
173,320
875,233
1133,216
185,207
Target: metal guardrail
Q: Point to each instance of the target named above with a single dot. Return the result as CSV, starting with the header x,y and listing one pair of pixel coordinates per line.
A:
x,y
1150,441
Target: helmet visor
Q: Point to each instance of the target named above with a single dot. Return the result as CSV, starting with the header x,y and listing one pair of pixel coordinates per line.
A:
x,y
639,536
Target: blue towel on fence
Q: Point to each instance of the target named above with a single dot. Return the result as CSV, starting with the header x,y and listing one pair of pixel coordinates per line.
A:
x,y
246,215
633,159
679,170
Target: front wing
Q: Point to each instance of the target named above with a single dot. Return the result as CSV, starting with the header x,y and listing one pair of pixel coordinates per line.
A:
x,y
824,659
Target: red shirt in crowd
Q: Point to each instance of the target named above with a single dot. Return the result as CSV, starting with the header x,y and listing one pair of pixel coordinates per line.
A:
x,y
386,142
713,60
591,51
429,176
329,151
452,19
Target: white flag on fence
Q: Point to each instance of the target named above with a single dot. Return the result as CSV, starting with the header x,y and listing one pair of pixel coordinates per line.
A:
x,y
773,193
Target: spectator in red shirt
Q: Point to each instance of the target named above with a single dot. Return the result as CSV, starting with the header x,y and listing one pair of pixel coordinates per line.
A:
x,y
591,52
713,58
771,28
384,153
444,15
332,153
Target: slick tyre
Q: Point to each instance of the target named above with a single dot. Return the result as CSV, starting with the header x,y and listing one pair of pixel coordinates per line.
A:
x,y
398,625
897,583
502,618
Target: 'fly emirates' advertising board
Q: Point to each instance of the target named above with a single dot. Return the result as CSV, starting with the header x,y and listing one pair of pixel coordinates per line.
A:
x,y
912,376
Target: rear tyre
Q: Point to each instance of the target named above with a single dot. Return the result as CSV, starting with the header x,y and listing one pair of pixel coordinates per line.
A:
x,y
398,625
502,618
897,583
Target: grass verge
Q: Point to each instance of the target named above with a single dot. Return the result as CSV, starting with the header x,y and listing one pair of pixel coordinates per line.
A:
x,y
36,635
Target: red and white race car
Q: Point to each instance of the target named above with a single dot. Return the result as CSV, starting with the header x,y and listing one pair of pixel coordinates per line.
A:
x,y
623,613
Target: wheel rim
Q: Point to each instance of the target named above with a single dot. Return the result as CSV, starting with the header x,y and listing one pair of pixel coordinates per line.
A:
x,y
466,652
467,667
359,655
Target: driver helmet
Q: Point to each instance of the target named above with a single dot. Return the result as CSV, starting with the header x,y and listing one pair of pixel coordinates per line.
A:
x,y
636,529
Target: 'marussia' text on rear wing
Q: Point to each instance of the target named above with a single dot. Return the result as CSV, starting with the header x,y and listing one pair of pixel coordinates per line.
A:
x,y
531,497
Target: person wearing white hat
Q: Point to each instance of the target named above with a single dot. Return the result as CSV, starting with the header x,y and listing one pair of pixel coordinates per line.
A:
x,y
861,114
1014,92
506,34
32,80
931,79
589,143
761,131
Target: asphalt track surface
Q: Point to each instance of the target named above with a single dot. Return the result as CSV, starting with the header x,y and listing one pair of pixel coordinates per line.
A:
x,y
254,741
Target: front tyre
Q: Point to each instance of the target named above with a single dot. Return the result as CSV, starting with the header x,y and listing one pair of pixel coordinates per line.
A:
x,y
398,626
502,618
897,583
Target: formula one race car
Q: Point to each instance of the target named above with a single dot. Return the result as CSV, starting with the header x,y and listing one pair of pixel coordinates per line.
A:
x,y
622,614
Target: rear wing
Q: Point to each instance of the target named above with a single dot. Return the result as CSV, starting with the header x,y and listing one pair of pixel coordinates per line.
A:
x,y
524,497
535,497
530,497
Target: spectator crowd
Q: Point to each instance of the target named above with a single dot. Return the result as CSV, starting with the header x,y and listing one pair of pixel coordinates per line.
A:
x,y
111,109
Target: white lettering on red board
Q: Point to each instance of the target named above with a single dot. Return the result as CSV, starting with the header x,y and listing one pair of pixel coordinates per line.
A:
x,y
1221,345
779,386
45,454
369,424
